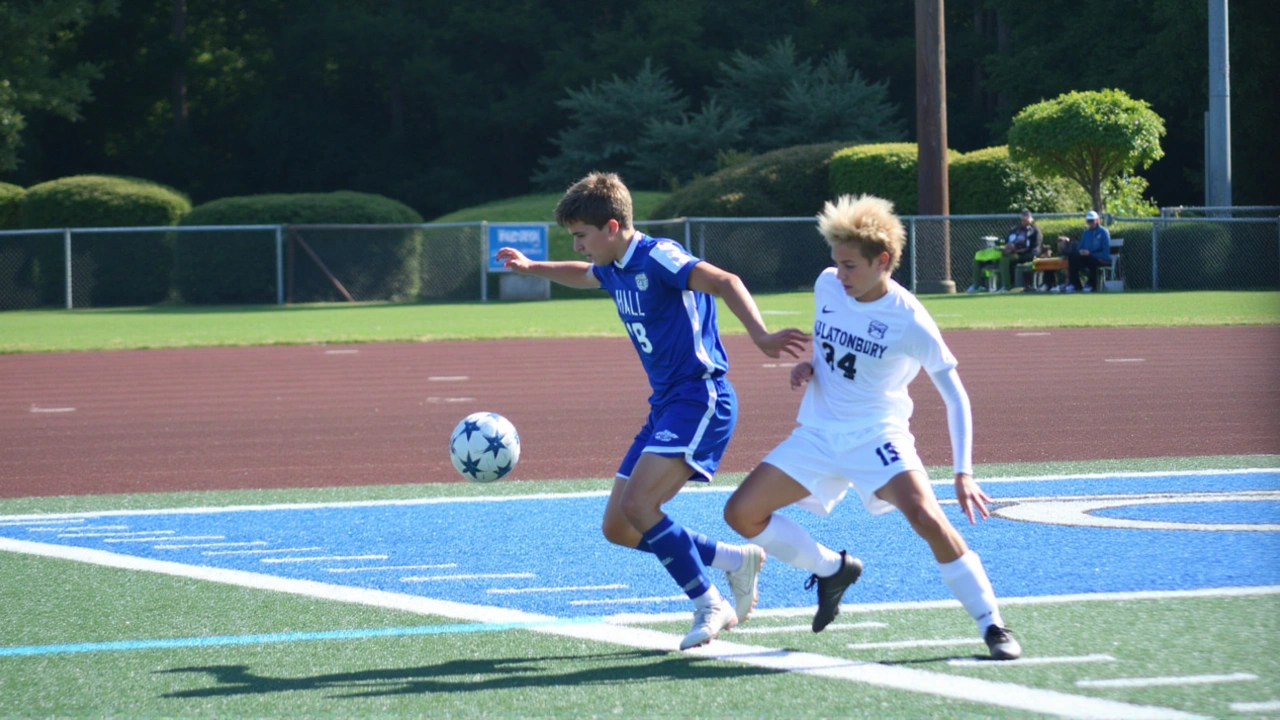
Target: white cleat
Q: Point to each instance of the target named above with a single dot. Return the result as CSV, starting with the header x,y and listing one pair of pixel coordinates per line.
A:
x,y
743,581
708,622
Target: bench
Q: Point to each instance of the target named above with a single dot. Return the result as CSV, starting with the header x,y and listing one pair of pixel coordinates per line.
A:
x,y
1110,277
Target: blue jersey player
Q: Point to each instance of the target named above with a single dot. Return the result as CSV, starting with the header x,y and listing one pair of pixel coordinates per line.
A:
x,y
666,300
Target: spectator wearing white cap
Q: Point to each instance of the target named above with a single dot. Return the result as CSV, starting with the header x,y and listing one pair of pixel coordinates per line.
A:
x,y
1092,252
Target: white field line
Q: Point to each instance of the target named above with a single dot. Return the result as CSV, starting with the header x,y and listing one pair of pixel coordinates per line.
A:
x,y
82,527
259,552
942,642
1265,706
975,690
160,538
620,601
53,517
117,534
1177,680
638,618
1047,660
208,545
36,520
784,629
392,567
579,588
321,558
472,576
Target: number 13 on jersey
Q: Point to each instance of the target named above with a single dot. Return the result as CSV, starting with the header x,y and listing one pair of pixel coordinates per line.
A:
x,y
637,331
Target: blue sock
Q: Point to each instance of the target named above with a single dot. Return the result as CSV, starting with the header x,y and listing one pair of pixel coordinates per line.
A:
x,y
705,545
673,546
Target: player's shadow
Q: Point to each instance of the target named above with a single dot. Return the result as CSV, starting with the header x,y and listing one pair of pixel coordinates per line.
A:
x,y
462,676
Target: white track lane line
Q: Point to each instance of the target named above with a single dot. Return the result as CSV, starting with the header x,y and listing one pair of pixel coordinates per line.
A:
x,y
260,552
375,568
579,588
785,629
941,642
322,558
955,687
448,378
1047,660
1265,706
1175,680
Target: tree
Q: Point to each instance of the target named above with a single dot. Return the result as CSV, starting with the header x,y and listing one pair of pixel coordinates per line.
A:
x,y
1087,137
33,76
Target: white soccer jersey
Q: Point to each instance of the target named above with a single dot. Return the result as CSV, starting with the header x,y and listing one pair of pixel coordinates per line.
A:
x,y
865,355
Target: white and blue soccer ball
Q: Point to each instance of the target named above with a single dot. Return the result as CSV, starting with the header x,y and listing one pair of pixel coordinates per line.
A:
x,y
484,447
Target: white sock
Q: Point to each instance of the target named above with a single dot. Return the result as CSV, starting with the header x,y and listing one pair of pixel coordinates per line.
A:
x,y
728,557
710,597
784,539
968,582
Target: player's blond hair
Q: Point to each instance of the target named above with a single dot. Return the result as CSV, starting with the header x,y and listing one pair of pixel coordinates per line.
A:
x,y
867,220
595,200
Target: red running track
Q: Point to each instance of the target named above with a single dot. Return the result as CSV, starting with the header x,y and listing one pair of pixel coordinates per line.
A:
x,y
318,416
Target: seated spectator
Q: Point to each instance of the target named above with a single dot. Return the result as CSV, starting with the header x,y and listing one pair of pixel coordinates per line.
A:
x,y
1021,245
1091,252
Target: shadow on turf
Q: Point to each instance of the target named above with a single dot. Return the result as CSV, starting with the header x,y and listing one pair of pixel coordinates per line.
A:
x,y
458,676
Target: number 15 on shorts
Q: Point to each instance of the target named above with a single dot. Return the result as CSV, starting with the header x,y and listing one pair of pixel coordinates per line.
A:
x,y
888,454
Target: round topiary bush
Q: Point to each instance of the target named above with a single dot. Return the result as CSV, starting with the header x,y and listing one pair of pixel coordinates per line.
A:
x,y
987,182
240,267
791,182
108,268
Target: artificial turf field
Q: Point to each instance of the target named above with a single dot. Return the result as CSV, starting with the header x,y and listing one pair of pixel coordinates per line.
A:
x,y
1183,621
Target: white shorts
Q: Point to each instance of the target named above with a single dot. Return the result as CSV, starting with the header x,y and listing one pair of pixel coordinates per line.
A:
x,y
827,463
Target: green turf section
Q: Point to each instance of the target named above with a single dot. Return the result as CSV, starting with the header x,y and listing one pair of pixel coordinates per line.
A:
x,y
523,673
223,498
592,316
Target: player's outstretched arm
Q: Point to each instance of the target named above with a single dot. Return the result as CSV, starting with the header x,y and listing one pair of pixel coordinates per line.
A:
x,y
712,280
570,273
971,497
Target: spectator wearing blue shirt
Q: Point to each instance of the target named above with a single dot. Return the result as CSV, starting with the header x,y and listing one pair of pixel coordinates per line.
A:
x,y
1092,252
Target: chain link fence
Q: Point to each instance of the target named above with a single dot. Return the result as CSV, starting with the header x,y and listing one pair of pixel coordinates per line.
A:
x,y
100,267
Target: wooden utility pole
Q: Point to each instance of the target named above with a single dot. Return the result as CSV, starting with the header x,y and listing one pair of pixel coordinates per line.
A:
x,y
931,141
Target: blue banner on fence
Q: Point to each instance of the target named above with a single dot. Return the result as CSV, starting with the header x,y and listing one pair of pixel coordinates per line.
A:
x,y
528,239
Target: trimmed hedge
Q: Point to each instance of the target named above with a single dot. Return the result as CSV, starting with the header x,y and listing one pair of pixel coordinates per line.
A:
x,y
10,205
222,267
987,182
791,182
109,269
887,170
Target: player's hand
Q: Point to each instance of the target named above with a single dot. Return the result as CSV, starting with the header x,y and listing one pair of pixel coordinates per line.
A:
x,y
971,496
790,341
800,374
513,259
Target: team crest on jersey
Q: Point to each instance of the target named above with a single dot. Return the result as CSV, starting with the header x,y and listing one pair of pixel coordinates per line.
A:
x,y
877,329
642,282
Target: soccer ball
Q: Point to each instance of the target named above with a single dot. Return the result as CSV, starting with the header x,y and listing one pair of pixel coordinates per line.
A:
x,y
484,447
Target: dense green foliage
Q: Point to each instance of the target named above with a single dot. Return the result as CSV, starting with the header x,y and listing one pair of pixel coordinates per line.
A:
x,y
791,182
1088,138
987,181
239,267
10,205
887,170
114,268
446,105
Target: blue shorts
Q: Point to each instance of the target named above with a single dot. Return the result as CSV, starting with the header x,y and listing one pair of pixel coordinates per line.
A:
x,y
695,421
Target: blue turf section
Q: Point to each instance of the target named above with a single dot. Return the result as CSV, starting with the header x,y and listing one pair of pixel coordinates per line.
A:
x,y
508,541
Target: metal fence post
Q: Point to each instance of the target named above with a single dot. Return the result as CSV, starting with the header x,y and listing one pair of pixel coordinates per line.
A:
x,y
66,251
1155,256
279,265
702,241
687,239
484,261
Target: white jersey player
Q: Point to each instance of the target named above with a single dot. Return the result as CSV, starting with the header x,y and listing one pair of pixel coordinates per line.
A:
x,y
871,338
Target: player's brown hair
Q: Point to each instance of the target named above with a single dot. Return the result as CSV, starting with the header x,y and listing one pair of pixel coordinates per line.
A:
x,y
595,199
867,220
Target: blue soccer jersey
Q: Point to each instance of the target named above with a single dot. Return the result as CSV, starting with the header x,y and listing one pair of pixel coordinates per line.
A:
x,y
672,327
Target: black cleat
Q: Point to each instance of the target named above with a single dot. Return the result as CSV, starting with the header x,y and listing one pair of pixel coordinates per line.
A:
x,y
1003,646
831,589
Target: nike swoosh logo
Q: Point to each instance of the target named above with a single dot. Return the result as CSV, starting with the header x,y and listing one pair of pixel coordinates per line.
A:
x,y
826,310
